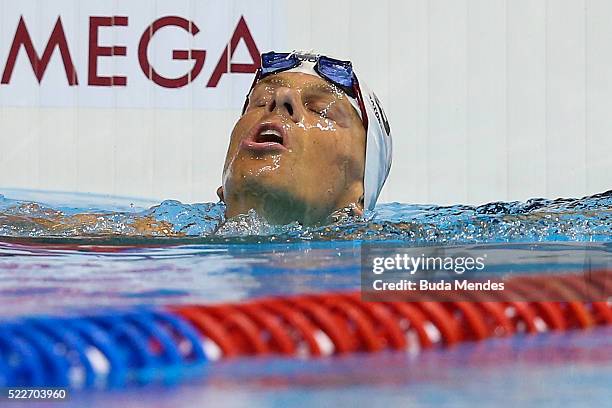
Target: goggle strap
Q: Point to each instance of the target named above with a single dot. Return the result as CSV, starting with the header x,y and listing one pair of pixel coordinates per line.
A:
x,y
246,102
361,103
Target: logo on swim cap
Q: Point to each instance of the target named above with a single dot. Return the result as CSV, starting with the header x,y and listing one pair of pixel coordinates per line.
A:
x,y
380,114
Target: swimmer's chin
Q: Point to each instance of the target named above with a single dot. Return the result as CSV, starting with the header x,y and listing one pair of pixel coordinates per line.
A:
x,y
281,204
252,218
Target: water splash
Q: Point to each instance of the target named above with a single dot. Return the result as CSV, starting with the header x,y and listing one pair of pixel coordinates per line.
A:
x,y
584,219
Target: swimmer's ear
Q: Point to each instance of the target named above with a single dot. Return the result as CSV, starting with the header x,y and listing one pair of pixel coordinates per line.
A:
x,y
361,202
358,209
220,193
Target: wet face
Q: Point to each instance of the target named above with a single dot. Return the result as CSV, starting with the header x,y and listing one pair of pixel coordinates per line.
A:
x,y
297,153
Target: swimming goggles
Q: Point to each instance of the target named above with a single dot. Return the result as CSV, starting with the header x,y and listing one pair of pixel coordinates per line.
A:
x,y
337,72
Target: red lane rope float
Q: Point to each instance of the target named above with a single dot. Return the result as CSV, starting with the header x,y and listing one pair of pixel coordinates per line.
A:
x,y
281,341
301,329
603,314
211,328
389,331
550,314
337,323
412,319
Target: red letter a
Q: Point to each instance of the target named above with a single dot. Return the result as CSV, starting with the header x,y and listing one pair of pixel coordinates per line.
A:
x,y
241,32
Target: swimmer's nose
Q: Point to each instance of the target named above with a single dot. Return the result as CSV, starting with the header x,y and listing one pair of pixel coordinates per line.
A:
x,y
287,101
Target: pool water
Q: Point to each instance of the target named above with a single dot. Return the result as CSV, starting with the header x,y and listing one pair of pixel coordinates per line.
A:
x,y
59,277
58,256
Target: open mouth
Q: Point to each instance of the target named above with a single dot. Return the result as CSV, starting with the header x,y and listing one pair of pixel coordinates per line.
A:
x,y
269,136
266,137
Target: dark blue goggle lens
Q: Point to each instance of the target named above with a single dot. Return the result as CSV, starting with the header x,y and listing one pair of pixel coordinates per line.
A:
x,y
338,72
272,62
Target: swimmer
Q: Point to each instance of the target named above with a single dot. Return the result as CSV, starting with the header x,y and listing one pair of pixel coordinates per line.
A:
x,y
312,140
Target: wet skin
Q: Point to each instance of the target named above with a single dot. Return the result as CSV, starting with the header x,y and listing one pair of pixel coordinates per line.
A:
x,y
297,153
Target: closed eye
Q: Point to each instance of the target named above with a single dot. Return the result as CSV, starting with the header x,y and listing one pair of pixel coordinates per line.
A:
x,y
256,103
321,109
259,97
329,109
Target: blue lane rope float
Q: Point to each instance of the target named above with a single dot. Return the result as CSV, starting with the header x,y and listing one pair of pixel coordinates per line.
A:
x,y
142,345
55,367
103,351
80,367
108,350
21,363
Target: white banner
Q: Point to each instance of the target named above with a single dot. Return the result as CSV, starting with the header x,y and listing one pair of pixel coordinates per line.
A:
x,y
136,54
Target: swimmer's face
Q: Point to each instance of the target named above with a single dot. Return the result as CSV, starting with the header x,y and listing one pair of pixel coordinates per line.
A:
x,y
297,153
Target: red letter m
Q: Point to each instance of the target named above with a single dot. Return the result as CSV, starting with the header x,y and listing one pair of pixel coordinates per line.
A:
x,y
39,65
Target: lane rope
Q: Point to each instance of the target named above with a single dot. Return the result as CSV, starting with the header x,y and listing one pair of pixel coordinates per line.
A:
x,y
115,348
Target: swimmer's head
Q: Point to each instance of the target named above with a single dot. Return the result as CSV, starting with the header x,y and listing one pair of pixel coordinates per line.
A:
x,y
311,140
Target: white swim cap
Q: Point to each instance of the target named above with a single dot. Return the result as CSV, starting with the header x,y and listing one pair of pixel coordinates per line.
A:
x,y
378,132
379,147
